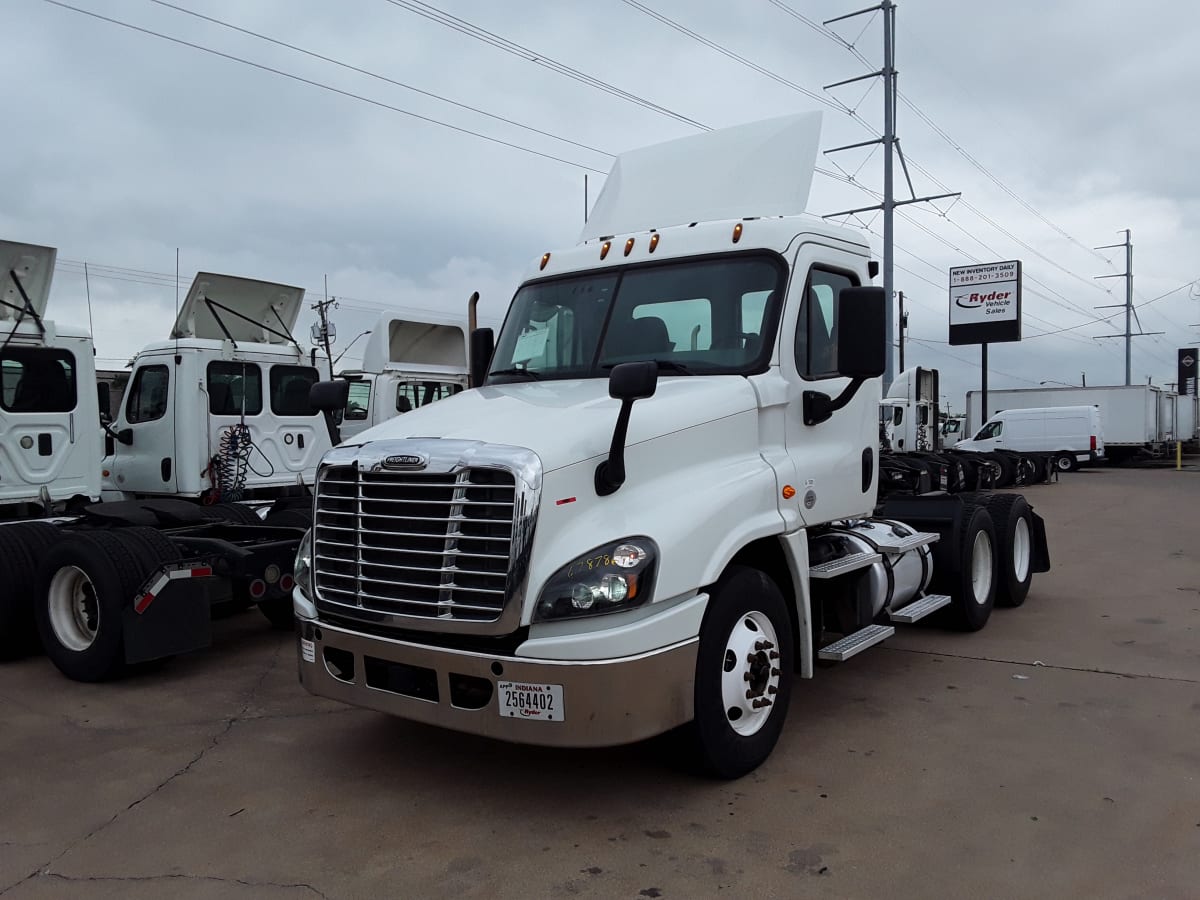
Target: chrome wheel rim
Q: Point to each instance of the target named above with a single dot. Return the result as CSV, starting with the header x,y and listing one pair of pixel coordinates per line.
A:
x,y
74,608
1022,549
981,567
750,673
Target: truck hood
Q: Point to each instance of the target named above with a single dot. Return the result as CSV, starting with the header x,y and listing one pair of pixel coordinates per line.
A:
x,y
250,306
34,266
565,422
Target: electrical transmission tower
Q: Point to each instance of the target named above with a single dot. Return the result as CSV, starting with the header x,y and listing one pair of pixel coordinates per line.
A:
x,y
1130,309
891,147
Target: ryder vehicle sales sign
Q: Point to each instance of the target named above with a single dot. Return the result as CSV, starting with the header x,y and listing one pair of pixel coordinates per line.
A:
x,y
985,303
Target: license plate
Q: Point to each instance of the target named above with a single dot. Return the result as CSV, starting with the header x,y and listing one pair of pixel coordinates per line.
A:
x,y
523,700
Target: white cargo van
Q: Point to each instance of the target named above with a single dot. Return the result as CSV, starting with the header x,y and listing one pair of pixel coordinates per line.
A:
x,y
1073,432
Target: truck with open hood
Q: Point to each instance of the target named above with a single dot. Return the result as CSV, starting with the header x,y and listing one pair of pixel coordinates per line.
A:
x,y
660,503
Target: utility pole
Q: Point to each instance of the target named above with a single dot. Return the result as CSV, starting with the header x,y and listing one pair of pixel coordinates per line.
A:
x,y
891,148
903,328
322,308
1130,310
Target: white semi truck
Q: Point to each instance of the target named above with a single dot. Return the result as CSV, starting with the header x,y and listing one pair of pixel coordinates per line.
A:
x,y
410,361
217,414
661,500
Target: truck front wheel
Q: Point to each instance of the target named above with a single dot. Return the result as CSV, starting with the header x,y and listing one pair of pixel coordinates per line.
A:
x,y
743,675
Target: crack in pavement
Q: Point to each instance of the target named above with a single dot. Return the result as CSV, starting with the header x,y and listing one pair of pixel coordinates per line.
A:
x,y
188,877
240,715
1042,665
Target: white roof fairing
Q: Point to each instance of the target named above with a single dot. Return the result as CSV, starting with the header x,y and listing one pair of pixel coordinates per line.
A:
x,y
34,267
265,304
755,170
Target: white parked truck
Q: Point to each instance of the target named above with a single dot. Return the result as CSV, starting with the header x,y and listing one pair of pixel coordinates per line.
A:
x,y
661,501
1131,416
410,361
218,414
50,443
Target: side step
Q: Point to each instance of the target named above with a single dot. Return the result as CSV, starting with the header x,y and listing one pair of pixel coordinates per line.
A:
x,y
919,609
896,544
839,651
843,564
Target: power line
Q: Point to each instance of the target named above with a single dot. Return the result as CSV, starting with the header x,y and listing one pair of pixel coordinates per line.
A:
x,y
462,26
324,87
377,76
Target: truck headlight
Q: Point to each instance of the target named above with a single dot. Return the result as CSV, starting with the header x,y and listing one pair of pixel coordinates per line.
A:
x,y
611,578
302,569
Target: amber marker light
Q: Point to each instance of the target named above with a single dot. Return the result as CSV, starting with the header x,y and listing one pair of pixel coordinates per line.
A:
x,y
604,249
545,259
788,492
653,241
628,246
737,232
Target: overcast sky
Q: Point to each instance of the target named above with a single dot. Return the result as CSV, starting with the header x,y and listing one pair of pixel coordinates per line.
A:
x,y
1061,124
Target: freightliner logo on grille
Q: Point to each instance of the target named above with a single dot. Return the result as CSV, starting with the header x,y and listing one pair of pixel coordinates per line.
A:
x,y
405,461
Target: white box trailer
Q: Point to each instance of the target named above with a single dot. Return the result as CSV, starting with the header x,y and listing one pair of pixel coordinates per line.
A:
x,y
1131,415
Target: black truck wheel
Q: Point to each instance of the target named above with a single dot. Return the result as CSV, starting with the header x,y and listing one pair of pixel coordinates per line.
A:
x,y
1065,462
237,513
970,577
1013,521
84,588
18,634
744,675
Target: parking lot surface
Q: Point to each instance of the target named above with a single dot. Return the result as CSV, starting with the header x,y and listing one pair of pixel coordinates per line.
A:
x,y
1054,754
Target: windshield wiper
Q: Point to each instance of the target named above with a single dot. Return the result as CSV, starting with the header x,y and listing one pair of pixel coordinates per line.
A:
x,y
668,364
525,373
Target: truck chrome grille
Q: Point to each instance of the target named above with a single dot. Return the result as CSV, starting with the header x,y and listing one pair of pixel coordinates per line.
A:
x,y
435,546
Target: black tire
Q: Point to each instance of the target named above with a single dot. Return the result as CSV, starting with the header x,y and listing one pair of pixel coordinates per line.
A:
x,y
294,517
741,603
1065,462
1008,472
152,545
236,513
1012,518
278,611
956,575
101,574
18,633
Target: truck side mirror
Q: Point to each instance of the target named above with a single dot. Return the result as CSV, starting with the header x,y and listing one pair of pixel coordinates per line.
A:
x,y
125,436
483,345
329,398
862,332
627,382
104,400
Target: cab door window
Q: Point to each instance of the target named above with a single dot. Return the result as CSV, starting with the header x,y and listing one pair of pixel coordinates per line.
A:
x,y
816,332
37,380
358,401
990,430
289,390
148,395
234,389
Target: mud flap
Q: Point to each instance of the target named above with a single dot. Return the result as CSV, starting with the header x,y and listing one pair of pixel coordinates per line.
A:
x,y
178,620
1040,561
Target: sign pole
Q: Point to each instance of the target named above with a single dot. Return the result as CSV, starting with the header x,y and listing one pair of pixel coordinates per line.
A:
x,y
983,407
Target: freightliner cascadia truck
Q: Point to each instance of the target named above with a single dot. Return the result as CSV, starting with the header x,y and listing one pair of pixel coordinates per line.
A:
x,y
659,503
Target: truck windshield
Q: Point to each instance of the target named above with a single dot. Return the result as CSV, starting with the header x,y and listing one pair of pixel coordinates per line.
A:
x,y
695,317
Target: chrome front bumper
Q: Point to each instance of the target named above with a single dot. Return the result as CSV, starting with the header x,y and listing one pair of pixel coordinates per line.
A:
x,y
607,702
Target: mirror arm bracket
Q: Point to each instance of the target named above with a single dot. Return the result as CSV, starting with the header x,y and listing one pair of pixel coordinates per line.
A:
x,y
610,474
818,407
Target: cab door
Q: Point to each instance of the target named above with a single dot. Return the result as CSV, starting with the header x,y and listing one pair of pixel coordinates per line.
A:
x,y
835,462
147,463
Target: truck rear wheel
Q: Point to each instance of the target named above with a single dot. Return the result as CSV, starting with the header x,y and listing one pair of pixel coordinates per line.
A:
x,y
1065,462
18,634
970,579
83,592
743,675
1013,521
237,513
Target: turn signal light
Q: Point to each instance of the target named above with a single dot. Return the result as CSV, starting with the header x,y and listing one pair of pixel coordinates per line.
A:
x,y
788,492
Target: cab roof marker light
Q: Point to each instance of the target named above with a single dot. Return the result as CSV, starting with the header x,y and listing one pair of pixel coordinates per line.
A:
x,y
653,241
628,246
545,259
737,232
605,248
